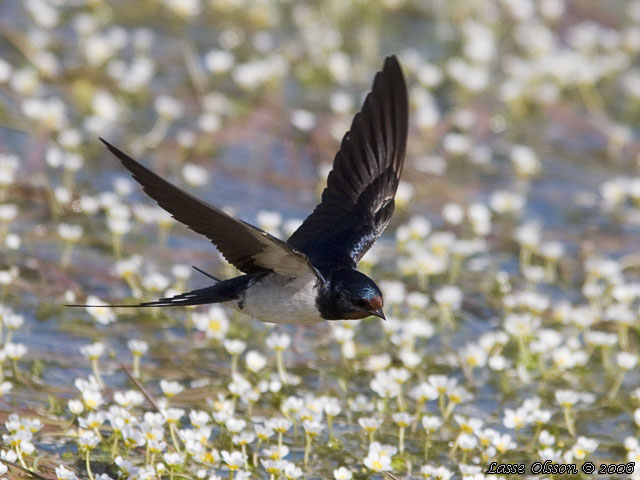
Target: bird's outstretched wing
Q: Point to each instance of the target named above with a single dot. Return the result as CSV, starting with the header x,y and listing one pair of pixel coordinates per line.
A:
x,y
357,203
248,248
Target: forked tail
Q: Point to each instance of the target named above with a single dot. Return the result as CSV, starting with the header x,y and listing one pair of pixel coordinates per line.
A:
x,y
224,291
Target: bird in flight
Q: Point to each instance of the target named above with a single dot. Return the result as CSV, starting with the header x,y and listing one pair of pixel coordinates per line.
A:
x,y
312,276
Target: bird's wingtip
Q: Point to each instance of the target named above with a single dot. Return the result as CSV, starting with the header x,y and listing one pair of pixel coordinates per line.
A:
x,y
392,60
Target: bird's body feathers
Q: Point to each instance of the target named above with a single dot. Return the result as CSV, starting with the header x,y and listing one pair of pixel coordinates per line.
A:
x,y
311,277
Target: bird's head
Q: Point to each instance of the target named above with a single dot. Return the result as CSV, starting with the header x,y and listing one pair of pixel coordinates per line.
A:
x,y
352,295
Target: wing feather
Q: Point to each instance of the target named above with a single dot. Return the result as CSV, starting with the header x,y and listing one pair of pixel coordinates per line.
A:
x,y
357,203
248,248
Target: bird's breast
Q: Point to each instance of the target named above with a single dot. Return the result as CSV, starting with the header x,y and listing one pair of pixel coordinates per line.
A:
x,y
279,299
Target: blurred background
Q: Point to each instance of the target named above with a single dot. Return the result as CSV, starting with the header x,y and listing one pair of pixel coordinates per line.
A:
x,y
529,107
521,170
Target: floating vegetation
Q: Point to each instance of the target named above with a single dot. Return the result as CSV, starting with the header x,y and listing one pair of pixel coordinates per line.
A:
x,y
510,270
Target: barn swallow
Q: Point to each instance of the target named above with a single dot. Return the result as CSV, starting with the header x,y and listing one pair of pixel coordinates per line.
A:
x,y
312,276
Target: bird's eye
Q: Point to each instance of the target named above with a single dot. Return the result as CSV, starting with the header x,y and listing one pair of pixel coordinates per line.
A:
x,y
362,302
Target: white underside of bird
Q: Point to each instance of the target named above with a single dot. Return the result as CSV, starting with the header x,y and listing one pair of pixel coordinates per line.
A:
x,y
281,299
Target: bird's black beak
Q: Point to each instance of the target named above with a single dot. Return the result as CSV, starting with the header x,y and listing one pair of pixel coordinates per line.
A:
x,y
378,313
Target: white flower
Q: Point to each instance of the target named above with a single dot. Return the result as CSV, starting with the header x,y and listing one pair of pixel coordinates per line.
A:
x,y
234,460
342,473
92,398
312,427
504,443
97,49
429,75
106,108
552,250
423,392
516,419
168,107
50,113
440,473
339,66
545,438
502,201
13,321
626,360
186,139
8,212
170,389
5,387
583,447
12,242
480,44
199,418
292,472
453,213
269,221
273,467
417,228
467,441
375,363
63,195
184,8
219,61
427,116
278,342
243,438
528,235
498,363
456,143
102,315
173,458
349,349
87,439
209,122
155,282
369,424
5,70
567,398
480,218
70,233
63,473
263,433
450,296
431,423
521,324
138,347
377,461
402,419
235,425
341,102
214,323
474,356
92,351
255,361
234,346
525,161
278,424
132,398
73,162
194,174
8,167
332,407
15,351
303,120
